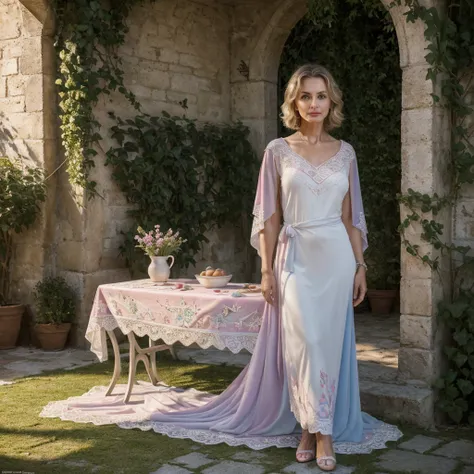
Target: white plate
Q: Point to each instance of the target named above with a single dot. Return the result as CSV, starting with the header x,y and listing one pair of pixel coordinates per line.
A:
x,y
213,282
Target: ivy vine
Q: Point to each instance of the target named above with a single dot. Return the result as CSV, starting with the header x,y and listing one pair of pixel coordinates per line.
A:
x,y
87,37
450,37
186,176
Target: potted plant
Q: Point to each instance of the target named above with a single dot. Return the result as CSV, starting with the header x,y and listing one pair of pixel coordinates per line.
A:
x,y
22,190
55,303
383,282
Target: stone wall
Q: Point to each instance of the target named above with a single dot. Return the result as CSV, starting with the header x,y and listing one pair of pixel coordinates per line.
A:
x,y
463,229
27,130
174,50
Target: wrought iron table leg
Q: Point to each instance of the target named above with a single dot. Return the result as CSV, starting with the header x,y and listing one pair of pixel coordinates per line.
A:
x,y
117,363
132,365
153,362
147,356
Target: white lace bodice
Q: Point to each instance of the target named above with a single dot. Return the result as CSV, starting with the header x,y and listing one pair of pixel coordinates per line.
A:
x,y
302,181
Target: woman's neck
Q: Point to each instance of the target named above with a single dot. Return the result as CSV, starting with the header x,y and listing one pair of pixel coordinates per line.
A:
x,y
312,132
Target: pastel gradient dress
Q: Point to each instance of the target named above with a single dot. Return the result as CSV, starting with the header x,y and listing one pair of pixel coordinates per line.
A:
x,y
314,268
303,370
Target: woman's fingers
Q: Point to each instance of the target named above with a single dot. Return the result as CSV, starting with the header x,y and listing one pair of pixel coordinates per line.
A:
x,y
355,296
359,294
268,295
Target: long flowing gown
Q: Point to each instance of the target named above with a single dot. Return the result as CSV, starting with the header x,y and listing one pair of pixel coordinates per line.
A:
x,y
303,371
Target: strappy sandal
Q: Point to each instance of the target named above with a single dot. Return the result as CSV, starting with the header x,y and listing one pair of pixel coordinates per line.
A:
x,y
321,461
304,451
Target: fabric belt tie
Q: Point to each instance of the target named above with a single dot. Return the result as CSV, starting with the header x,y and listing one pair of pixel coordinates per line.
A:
x,y
289,232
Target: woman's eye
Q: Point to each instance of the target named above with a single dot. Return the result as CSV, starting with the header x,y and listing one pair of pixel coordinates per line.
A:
x,y
321,97
305,96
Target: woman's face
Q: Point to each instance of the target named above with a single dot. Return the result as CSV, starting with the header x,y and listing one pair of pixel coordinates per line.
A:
x,y
312,101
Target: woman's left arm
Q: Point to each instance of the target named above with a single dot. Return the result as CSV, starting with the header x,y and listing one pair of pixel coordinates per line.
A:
x,y
355,236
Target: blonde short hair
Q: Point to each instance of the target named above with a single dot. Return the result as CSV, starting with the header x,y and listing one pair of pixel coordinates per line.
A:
x,y
290,115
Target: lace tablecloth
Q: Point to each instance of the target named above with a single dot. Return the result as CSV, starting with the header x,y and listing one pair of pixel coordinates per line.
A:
x,y
200,315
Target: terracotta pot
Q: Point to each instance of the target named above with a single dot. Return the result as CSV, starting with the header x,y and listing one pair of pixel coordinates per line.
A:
x,y
52,337
381,301
10,322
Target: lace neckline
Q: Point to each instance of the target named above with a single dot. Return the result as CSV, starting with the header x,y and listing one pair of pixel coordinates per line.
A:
x,y
316,167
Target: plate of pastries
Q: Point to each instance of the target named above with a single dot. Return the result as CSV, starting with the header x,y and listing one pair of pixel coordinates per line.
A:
x,y
213,277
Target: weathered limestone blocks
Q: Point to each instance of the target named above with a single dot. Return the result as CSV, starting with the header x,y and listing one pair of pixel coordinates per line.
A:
x,y
253,100
418,365
417,331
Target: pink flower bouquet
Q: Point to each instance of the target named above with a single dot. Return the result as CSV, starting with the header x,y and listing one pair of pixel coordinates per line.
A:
x,y
156,243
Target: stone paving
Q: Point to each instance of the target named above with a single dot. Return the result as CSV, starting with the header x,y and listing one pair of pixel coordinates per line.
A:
x,y
26,361
440,456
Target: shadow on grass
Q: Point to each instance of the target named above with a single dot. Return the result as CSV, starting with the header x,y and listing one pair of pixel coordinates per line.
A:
x,y
49,445
184,374
88,448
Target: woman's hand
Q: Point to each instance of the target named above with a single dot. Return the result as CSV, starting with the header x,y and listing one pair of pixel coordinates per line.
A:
x,y
269,287
360,286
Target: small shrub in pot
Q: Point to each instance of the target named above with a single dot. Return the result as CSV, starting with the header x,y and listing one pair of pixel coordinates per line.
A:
x,y
55,303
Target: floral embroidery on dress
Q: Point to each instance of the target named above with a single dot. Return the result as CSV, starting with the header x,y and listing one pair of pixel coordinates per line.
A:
x,y
327,400
301,398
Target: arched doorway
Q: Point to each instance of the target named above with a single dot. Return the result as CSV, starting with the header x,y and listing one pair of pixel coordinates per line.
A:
x,y
257,42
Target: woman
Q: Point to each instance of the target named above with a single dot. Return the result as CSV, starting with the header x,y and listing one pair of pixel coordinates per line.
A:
x,y
304,367
308,176
303,370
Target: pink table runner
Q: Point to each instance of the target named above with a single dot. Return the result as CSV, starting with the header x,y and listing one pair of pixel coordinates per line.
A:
x,y
199,315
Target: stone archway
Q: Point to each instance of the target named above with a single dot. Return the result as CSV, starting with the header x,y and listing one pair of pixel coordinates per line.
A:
x,y
28,129
257,44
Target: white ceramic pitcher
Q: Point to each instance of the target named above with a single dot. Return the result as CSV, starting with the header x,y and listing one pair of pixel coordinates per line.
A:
x,y
159,269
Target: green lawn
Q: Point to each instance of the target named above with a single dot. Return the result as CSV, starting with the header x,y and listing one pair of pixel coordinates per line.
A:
x,y
48,445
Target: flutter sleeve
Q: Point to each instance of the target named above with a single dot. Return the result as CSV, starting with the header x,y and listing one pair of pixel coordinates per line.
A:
x,y
357,206
266,196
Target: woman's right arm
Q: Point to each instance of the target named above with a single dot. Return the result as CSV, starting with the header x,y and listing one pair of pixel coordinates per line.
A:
x,y
268,237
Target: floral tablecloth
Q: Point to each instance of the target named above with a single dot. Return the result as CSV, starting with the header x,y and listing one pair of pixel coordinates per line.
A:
x,y
200,315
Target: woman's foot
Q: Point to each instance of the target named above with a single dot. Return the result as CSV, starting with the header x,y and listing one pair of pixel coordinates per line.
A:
x,y
325,456
306,449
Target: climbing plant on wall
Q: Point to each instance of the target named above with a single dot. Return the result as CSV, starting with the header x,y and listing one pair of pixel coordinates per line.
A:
x,y
174,172
356,41
88,33
184,176
450,54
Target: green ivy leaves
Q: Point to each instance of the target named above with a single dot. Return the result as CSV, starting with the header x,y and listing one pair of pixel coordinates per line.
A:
x,y
184,176
456,388
88,35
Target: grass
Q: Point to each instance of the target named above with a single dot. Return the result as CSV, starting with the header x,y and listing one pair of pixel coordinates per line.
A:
x,y
33,444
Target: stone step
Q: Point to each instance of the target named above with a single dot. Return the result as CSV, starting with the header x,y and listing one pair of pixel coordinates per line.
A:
x,y
397,402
